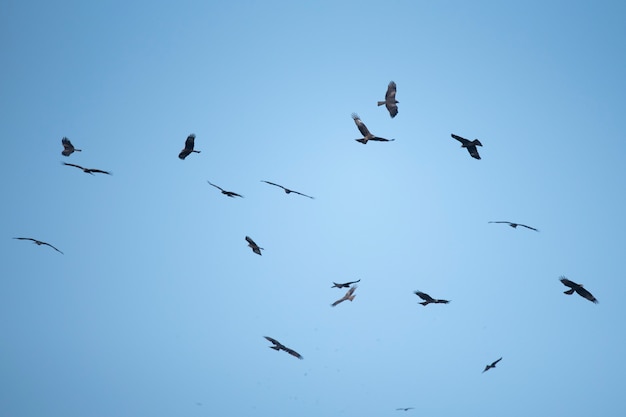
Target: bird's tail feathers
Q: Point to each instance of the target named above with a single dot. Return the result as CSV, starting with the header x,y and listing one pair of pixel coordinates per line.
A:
x,y
362,140
569,292
424,303
380,103
351,297
274,347
195,151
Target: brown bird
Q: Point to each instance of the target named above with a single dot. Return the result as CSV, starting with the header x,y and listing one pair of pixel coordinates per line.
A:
x,y
38,243
88,170
493,365
348,296
390,100
280,346
345,284
68,148
287,190
514,225
228,193
255,248
428,299
470,145
189,143
579,290
365,132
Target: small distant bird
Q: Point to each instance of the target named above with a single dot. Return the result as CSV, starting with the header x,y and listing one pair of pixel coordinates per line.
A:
x,y
365,132
287,190
579,290
493,365
255,248
38,242
189,143
68,148
390,100
514,225
228,193
469,145
428,299
404,409
88,170
345,284
280,346
348,296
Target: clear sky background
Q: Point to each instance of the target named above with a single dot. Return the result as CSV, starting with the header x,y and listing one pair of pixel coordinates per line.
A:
x,y
158,307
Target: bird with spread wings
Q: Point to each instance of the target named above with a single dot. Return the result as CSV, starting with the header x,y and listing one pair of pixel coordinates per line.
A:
x,y
470,145
255,248
390,100
492,365
348,296
287,190
279,346
227,193
514,225
38,242
189,144
428,299
88,170
365,132
579,289
345,284
68,148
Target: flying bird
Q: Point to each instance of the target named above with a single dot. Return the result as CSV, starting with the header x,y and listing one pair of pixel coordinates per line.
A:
x,y
188,147
404,409
88,170
280,346
365,132
390,100
287,190
255,248
345,284
228,193
492,365
348,296
68,148
38,242
579,290
428,299
514,225
469,145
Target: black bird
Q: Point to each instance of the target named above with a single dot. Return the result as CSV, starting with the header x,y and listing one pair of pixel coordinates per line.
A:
x,y
470,145
428,299
228,193
189,143
255,248
390,100
514,225
88,170
404,409
579,290
493,365
347,296
287,190
365,132
68,148
345,284
280,346
38,242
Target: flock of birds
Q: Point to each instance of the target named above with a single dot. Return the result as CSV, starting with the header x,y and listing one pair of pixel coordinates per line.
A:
x,y
391,105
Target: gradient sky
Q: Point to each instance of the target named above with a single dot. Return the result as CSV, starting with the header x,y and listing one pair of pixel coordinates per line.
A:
x,y
158,307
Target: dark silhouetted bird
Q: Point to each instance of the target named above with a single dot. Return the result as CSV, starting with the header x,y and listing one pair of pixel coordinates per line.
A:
x,y
228,193
88,170
470,145
280,346
390,100
287,190
492,365
189,143
514,225
68,148
255,248
365,132
348,296
404,409
345,284
579,290
428,299
38,242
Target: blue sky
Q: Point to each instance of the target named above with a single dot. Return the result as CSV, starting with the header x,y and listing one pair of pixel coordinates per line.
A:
x,y
158,307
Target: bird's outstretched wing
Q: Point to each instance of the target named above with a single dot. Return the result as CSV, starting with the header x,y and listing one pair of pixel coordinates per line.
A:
x,y
460,139
274,341
68,148
494,363
292,352
390,99
345,284
424,296
362,128
99,171
39,242
569,283
73,165
473,151
304,195
528,227
189,144
216,186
